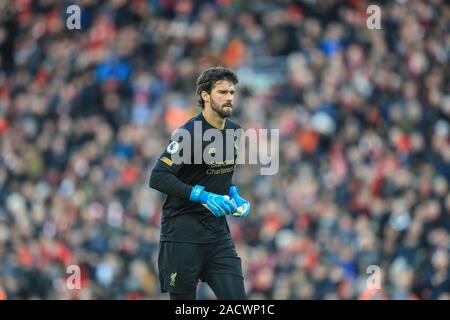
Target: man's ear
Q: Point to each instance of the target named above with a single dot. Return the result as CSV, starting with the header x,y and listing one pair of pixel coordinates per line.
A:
x,y
205,96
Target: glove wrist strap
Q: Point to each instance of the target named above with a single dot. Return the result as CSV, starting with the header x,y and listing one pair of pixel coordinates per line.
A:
x,y
195,193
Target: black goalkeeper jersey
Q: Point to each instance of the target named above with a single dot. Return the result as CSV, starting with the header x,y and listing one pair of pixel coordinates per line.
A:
x,y
182,219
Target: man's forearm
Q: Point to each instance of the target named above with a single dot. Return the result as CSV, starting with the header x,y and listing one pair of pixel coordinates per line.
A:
x,y
166,182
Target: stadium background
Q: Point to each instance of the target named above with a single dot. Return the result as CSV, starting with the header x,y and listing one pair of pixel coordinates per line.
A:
x,y
364,143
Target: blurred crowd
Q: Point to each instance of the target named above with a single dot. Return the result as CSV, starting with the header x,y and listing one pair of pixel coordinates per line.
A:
x,y
364,119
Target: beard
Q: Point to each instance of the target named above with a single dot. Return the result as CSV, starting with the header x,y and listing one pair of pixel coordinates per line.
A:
x,y
223,110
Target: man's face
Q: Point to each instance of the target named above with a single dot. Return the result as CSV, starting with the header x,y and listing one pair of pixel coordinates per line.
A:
x,y
222,96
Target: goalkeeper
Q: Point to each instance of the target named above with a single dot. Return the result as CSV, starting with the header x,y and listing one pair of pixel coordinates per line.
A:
x,y
195,240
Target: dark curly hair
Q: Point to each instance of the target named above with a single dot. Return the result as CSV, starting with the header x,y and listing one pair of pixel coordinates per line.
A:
x,y
209,77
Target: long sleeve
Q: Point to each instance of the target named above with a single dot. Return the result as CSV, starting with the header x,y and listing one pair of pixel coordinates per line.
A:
x,y
164,175
164,179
